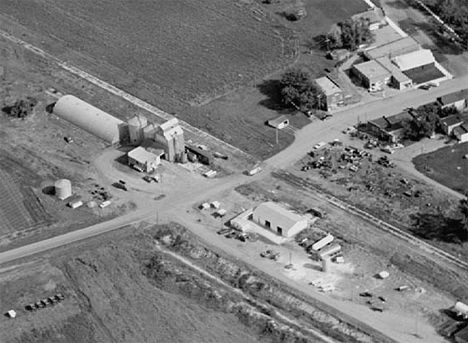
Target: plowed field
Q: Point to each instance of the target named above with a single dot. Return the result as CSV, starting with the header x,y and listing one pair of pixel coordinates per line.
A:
x,y
189,50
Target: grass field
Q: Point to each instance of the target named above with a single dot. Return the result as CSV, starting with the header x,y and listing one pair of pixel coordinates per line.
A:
x,y
447,166
190,50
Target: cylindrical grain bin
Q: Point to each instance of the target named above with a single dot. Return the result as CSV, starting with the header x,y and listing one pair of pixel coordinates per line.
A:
x,y
63,189
326,263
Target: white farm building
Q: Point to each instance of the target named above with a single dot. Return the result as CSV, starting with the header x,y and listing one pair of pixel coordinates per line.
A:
x,y
89,118
278,219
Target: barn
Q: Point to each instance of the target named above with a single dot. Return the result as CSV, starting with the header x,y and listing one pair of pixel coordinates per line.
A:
x,y
90,119
278,219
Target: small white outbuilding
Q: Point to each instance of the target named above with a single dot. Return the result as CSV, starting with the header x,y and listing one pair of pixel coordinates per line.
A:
x,y
11,314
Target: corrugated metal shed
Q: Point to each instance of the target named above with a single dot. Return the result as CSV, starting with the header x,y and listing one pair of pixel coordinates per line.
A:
x,y
278,215
89,118
414,59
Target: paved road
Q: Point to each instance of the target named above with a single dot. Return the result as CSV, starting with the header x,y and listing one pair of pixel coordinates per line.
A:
x,y
305,139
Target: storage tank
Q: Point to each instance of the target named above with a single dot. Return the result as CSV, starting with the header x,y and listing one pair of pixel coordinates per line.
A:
x,y
63,189
326,264
135,128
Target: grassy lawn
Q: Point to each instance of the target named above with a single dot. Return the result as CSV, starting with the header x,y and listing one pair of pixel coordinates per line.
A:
x,y
446,166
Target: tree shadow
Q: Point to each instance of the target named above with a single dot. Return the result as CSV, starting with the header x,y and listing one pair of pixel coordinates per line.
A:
x,y
441,44
318,43
438,227
272,90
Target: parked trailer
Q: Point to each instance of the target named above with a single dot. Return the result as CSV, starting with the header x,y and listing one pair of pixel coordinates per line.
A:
x,y
323,242
330,251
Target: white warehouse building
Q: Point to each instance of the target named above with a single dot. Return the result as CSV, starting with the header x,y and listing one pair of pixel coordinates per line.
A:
x,y
278,219
89,118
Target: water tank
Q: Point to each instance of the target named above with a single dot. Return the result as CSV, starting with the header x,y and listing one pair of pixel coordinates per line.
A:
x,y
326,263
63,189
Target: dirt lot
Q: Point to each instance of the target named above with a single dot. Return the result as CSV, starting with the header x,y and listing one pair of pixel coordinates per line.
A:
x,y
447,166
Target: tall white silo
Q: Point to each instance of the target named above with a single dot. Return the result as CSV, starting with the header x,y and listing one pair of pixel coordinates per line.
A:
x,y
63,189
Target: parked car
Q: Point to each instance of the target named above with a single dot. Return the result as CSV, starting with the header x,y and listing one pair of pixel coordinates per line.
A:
x,y
319,145
231,234
366,294
387,149
266,253
224,231
148,179
120,186
59,296
274,256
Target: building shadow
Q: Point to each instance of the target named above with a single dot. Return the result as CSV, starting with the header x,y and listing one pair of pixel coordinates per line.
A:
x,y
48,190
312,266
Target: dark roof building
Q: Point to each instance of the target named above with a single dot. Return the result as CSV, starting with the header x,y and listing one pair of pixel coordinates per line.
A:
x,y
458,99
390,128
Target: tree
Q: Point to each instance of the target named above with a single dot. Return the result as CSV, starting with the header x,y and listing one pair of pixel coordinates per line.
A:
x,y
463,207
334,37
355,32
299,90
21,108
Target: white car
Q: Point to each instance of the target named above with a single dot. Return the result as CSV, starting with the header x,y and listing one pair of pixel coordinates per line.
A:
x,y
319,145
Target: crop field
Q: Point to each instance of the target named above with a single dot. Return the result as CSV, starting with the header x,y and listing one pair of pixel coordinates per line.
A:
x,y
19,207
189,50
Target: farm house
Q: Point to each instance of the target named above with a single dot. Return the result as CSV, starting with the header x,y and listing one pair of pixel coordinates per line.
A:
x,y
278,219
90,118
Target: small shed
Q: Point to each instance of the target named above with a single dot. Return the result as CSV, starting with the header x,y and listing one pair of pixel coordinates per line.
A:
x,y
461,309
11,314
75,203
279,123
204,206
384,274
221,212
215,204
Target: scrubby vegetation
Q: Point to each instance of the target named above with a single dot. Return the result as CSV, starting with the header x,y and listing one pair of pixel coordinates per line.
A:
x,y
21,108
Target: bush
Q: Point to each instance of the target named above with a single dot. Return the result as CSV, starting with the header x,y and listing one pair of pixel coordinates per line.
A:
x,y
21,108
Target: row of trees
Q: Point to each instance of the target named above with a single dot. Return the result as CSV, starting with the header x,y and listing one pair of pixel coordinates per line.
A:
x,y
349,34
299,90
455,14
426,121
